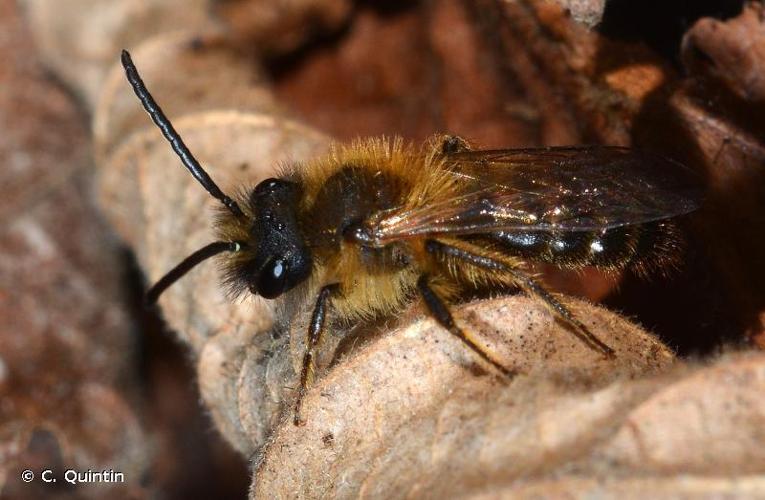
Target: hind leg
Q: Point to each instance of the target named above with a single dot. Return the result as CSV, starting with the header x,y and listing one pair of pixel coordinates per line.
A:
x,y
468,254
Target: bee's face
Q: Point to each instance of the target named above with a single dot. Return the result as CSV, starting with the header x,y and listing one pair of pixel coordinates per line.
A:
x,y
282,259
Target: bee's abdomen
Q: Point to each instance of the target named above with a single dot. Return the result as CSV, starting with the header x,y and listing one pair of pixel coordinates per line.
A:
x,y
646,245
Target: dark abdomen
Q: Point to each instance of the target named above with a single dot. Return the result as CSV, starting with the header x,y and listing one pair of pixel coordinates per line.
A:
x,y
644,246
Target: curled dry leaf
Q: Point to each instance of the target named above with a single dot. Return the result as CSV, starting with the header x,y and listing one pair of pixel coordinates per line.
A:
x,y
206,74
413,413
80,39
589,88
707,421
81,48
537,79
732,51
721,113
270,26
450,433
658,488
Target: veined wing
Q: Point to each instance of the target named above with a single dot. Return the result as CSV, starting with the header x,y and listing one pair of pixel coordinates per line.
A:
x,y
572,188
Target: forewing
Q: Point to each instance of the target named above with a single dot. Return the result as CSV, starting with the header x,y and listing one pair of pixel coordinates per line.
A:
x,y
550,189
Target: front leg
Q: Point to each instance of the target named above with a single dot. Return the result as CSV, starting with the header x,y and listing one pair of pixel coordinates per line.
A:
x,y
315,335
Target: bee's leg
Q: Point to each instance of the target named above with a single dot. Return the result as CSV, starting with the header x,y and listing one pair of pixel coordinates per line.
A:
x,y
315,331
440,312
533,287
527,284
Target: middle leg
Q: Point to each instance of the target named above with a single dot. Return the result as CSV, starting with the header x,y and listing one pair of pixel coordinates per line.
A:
x,y
440,312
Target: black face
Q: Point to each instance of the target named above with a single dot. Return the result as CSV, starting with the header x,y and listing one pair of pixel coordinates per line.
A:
x,y
282,259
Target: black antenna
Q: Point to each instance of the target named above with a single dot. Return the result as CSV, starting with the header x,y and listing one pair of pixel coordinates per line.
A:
x,y
188,264
180,148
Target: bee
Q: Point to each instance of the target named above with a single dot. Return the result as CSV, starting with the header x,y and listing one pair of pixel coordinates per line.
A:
x,y
372,226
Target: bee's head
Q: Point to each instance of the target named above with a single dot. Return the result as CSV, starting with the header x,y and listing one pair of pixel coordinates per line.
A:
x,y
281,259
267,254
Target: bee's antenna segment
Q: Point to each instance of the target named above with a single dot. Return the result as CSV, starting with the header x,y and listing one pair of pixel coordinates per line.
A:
x,y
180,148
188,264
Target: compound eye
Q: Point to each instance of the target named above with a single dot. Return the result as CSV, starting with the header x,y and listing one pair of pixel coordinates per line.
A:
x,y
273,279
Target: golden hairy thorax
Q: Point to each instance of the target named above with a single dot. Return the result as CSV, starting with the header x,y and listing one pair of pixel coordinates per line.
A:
x,y
350,184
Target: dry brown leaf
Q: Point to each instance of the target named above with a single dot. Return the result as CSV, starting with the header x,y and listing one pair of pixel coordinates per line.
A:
x,y
673,488
269,26
732,51
206,74
465,436
721,110
80,38
413,413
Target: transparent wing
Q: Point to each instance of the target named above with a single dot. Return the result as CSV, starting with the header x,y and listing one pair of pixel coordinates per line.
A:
x,y
550,189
